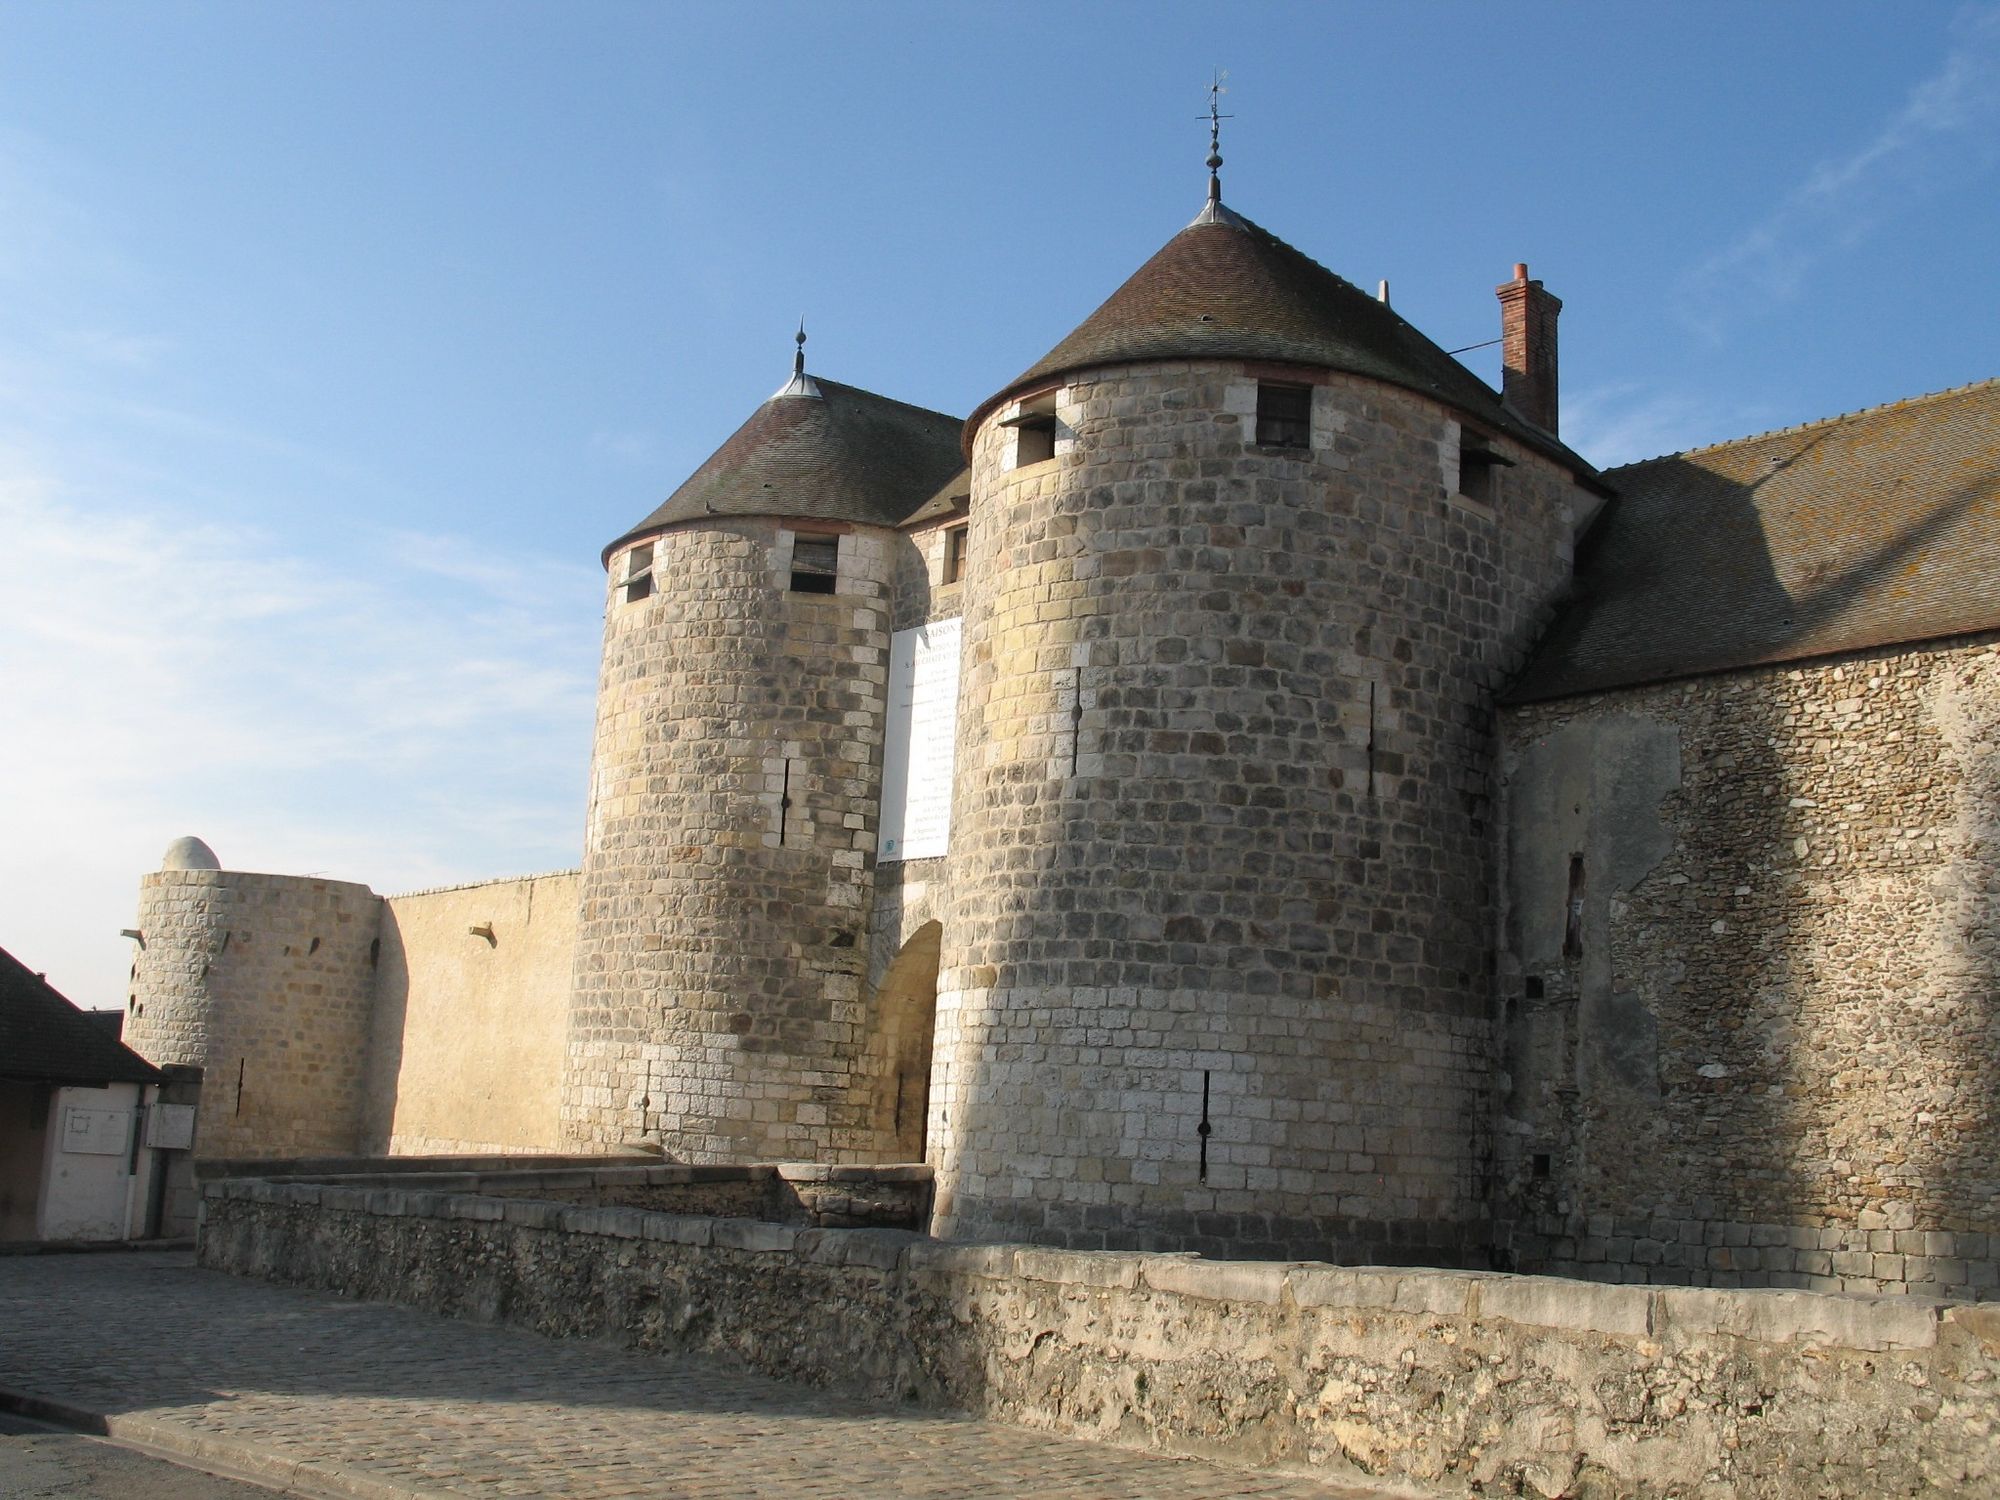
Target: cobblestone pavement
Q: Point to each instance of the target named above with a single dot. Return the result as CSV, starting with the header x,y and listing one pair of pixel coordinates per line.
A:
x,y
332,1397
43,1463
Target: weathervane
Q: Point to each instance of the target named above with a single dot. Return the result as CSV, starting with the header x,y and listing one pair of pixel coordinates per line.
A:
x,y
1215,119
799,359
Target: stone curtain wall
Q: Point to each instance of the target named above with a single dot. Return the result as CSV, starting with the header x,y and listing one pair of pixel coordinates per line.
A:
x,y
265,983
1483,1383
1222,846
469,1030
1772,1061
718,1004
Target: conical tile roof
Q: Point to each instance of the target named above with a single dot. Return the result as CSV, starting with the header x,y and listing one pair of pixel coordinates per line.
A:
x,y
819,449
1224,288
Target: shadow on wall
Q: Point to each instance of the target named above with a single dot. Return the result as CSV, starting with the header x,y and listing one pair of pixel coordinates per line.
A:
x,y
387,1023
1752,974
905,1007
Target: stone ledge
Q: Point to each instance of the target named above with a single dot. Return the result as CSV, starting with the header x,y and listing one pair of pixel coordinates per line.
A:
x,y
1217,1280
1424,1293
1579,1306
1870,1323
754,1235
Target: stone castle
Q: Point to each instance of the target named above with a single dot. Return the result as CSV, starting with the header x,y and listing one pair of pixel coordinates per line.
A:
x,y
1251,789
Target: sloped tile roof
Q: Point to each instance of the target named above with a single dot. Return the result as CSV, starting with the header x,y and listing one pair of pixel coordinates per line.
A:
x,y
1872,529
46,1039
1224,288
841,455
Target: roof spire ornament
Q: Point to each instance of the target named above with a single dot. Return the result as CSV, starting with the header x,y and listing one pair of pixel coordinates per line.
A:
x,y
1215,119
801,384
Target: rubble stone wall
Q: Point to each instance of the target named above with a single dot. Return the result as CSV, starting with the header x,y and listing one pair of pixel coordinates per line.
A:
x,y
1469,1383
1752,978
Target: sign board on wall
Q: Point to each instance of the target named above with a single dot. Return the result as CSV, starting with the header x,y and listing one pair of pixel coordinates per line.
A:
x,y
170,1127
917,756
96,1132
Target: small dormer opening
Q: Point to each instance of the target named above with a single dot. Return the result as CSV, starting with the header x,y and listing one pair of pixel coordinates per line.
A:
x,y
638,572
1479,467
954,553
1284,415
815,564
1034,430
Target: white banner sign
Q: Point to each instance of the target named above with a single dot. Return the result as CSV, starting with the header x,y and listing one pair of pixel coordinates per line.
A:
x,y
917,758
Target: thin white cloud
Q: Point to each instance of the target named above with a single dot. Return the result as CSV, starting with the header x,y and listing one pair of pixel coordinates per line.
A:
x,y
1946,133
165,676
625,447
1622,422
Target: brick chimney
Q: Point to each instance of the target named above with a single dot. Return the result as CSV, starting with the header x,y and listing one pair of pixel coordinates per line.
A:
x,y
1528,349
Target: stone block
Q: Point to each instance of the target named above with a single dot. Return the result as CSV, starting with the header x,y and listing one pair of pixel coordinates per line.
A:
x,y
995,1262
1551,1302
531,1213
1079,1267
678,1229
754,1235
1870,1323
621,1223
1216,1280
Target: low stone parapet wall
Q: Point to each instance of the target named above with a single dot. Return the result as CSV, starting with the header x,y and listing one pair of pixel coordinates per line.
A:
x,y
799,1193
1462,1381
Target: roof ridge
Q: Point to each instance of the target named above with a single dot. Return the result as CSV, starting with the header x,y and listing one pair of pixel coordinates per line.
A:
x,y
1817,422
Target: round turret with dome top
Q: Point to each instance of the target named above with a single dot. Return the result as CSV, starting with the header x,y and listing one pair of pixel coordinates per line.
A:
x,y
1215,965
718,1006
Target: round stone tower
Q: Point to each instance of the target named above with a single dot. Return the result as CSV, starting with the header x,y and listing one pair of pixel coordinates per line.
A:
x,y
1250,556
265,983
718,1006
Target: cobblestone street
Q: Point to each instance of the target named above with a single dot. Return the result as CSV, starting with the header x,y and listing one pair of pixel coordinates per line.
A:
x,y
367,1400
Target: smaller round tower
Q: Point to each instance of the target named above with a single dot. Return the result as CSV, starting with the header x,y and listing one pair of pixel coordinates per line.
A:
x,y
265,983
718,1008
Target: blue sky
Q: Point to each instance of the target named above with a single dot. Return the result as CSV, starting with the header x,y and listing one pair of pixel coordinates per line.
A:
x,y
335,340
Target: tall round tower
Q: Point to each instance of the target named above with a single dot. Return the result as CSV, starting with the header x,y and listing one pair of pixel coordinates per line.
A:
x,y
718,1008
1250,555
265,983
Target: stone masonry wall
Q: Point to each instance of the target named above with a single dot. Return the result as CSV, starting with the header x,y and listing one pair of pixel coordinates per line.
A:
x,y
724,904
1465,1384
1216,960
471,1013
265,983
1763,1050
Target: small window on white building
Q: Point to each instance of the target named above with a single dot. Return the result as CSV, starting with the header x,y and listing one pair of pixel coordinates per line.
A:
x,y
638,572
815,564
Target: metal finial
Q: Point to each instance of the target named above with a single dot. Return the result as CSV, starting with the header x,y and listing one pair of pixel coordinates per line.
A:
x,y
1215,119
799,359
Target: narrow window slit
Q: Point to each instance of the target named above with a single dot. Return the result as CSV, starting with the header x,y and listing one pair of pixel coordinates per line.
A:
x,y
1573,910
785,803
1371,739
1204,1128
1076,724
